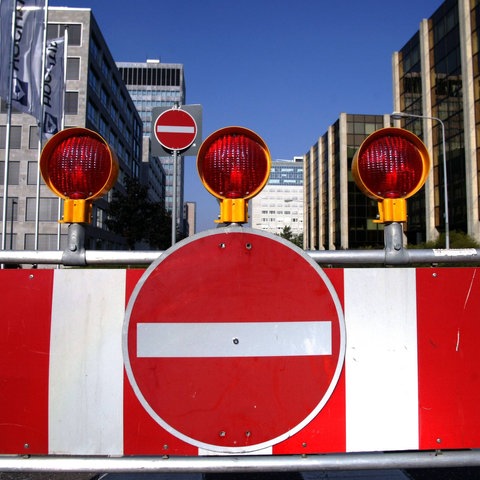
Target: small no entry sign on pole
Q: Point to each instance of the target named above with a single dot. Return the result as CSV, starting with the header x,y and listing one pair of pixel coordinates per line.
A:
x,y
176,129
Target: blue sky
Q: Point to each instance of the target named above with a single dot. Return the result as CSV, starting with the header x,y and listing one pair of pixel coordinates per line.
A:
x,y
285,69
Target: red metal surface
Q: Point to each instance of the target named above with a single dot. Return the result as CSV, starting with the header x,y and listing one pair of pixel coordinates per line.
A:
x,y
448,307
448,327
26,297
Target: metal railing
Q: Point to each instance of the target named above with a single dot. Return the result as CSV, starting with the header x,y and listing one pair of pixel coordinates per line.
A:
x,y
394,254
236,463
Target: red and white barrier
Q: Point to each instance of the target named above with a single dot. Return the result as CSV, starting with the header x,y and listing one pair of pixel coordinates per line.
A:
x,y
410,379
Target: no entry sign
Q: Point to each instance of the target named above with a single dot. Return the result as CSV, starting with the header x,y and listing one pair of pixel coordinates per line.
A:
x,y
175,129
240,355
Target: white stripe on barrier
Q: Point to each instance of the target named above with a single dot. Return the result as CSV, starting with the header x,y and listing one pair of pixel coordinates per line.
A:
x,y
381,359
86,384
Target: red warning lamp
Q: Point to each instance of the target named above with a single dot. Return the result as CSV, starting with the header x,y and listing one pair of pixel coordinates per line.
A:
x,y
391,165
78,165
234,165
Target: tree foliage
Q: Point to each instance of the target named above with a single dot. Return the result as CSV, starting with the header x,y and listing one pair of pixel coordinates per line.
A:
x,y
457,240
287,234
133,216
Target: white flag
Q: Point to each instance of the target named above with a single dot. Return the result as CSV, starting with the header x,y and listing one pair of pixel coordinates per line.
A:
x,y
6,13
27,56
53,88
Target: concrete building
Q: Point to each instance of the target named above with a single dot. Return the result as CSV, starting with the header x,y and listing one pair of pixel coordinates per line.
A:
x,y
95,98
436,74
337,214
154,84
190,216
280,203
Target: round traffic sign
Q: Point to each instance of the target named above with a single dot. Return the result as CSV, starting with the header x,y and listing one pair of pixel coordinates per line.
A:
x,y
175,129
233,340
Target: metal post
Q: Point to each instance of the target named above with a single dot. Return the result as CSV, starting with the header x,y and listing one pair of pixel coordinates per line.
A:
x,y
11,223
398,116
74,253
445,190
8,131
40,130
174,198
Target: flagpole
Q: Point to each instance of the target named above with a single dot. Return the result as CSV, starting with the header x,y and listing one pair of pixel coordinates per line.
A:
x,y
40,125
62,126
7,133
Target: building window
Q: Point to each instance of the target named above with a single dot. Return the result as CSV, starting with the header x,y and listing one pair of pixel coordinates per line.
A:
x,y
99,218
13,172
102,128
94,48
73,68
32,173
33,138
105,69
103,97
45,241
15,136
71,103
48,211
93,81
57,30
92,113
12,209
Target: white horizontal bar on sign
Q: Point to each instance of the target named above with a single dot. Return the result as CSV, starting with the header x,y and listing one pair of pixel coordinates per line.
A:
x,y
175,129
234,339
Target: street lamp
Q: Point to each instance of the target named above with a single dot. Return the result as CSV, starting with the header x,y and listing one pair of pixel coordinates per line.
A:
x,y
399,116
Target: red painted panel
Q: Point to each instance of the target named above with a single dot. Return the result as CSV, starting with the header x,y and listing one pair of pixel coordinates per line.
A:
x,y
25,297
448,311
142,435
326,433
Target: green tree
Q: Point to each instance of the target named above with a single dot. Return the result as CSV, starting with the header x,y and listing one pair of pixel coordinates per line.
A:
x,y
287,234
133,216
457,240
159,227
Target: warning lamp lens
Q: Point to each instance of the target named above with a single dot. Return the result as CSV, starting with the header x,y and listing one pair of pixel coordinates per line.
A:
x,y
391,163
79,166
391,167
235,166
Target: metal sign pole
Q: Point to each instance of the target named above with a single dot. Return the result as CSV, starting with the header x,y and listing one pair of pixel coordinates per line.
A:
x,y
174,198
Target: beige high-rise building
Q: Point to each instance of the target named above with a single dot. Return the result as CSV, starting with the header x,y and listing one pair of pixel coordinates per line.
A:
x,y
436,77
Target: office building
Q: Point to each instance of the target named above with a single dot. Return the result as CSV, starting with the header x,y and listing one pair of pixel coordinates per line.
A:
x,y
190,216
337,214
154,84
435,83
95,98
436,74
280,203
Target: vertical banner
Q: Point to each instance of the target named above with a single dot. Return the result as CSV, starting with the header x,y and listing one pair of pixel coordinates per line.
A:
x,y
27,56
6,15
53,88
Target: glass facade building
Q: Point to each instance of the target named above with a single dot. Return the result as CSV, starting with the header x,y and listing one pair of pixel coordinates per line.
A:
x,y
337,214
436,74
154,84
